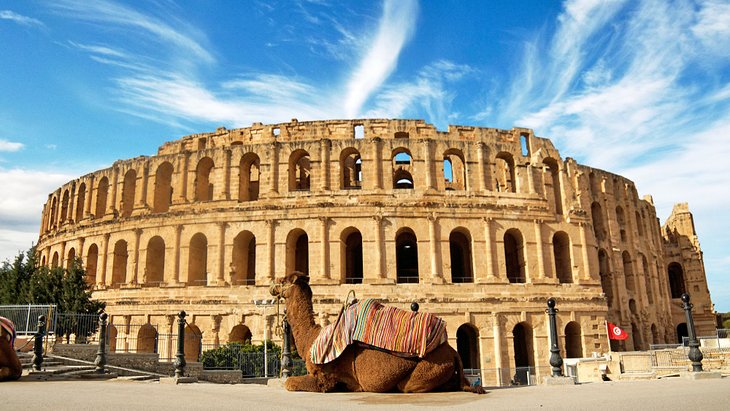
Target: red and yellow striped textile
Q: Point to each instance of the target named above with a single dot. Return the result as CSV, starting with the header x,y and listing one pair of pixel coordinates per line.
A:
x,y
9,328
369,322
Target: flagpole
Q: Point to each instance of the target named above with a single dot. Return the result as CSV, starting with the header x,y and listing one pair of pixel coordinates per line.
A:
x,y
608,336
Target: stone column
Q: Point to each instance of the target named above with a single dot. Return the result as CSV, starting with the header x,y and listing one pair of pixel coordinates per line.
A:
x,y
111,205
530,179
436,276
377,164
497,332
101,282
274,168
226,195
181,191
89,191
586,259
70,213
540,250
492,271
175,280
215,321
324,165
325,247
63,256
427,163
80,254
271,228
379,246
142,198
482,183
135,259
221,281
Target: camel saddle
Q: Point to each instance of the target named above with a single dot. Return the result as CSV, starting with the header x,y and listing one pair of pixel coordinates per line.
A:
x,y
368,322
9,329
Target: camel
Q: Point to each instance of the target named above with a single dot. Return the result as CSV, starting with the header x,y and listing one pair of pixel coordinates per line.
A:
x,y
360,367
10,367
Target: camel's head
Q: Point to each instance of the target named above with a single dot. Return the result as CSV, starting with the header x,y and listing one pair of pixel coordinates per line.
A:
x,y
282,286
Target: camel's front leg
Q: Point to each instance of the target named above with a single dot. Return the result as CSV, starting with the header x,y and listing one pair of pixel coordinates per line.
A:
x,y
302,383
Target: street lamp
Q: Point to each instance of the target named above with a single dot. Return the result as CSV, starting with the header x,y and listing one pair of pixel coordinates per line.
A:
x,y
263,304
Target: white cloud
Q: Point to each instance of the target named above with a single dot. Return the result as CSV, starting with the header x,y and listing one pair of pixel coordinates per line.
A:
x,y
713,26
10,146
20,19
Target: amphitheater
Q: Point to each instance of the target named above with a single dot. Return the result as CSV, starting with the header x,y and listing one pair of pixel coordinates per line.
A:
x,y
478,225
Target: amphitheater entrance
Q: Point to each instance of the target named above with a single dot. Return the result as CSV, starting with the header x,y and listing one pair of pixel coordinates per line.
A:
x,y
297,252
193,339
147,339
240,334
573,344
524,360
119,268
198,260
676,280
406,256
467,344
514,256
459,245
155,264
352,247
244,259
92,258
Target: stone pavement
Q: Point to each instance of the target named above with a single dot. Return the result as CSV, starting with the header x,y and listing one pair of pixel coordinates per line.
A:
x,y
666,394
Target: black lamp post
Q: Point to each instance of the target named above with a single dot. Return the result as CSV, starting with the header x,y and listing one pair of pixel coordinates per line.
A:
x,y
555,360
286,361
38,343
100,361
180,356
695,355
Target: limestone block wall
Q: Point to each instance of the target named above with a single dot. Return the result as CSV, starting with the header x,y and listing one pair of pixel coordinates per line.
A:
x,y
479,225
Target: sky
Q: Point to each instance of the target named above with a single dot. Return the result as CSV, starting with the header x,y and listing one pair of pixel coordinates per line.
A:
x,y
640,88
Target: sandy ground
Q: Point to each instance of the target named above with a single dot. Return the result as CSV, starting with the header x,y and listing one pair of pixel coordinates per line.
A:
x,y
666,394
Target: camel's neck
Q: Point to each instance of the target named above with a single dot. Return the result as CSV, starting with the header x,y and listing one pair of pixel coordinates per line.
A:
x,y
300,315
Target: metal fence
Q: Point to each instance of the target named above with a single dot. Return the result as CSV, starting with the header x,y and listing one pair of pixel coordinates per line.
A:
x,y
25,317
511,377
251,364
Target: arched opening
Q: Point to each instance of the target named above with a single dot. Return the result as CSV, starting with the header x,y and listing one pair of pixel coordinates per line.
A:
x,y
647,279
454,170
561,252
80,201
605,272
632,307
249,175
102,191
654,334
359,132
460,250
682,332
43,261
203,185
573,343
119,267
198,260
64,207
297,251
505,173
628,271
240,334
402,169
553,191
147,339
639,224
52,219
621,218
524,360
352,252
193,339
676,280
92,258
514,256
128,189
70,257
524,145
406,256
350,169
300,169
54,260
244,259
636,336
467,345
155,262
163,188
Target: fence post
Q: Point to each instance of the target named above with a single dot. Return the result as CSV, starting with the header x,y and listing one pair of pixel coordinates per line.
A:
x,y
180,356
695,355
38,343
555,360
100,361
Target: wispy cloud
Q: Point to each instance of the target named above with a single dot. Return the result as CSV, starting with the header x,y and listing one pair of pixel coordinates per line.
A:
x,y
10,146
20,19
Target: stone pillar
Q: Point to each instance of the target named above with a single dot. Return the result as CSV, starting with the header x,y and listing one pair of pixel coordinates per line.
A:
x,y
325,247
62,258
142,198
111,205
221,281
215,321
181,191
530,179
436,276
271,229
89,191
101,282
324,165
226,195
135,259
497,332
274,168
482,177
540,250
176,258
80,254
379,246
427,163
71,204
586,259
377,164
492,271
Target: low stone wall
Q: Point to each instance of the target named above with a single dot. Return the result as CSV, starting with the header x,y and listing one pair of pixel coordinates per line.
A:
x,y
222,376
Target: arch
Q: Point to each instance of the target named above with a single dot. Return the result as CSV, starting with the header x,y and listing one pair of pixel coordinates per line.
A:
x,y
198,260
461,260
599,228
147,339
102,192
43,260
249,176
467,345
64,207
573,341
514,256
119,264
402,162
561,252
70,257
243,270
647,279
675,272
350,169
128,189
524,356
80,201
54,207
300,170
682,332
163,188
351,251
552,184
406,256
621,218
203,186
628,271
240,334
193,339
604,271
505,173
92,260
155,261
454,170
54,260
297,251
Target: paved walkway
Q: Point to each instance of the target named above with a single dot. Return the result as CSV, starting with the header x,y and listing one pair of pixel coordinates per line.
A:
x,y
666,394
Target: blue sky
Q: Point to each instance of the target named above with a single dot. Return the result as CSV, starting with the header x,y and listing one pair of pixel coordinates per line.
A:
x,y
640,88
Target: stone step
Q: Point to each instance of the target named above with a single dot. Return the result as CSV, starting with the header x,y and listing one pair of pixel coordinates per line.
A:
x,y
139,378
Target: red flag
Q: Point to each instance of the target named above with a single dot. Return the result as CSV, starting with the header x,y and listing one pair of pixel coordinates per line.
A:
x,y
615,333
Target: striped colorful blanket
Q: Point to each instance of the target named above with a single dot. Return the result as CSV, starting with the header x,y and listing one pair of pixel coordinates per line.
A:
x,y
369,322
9,328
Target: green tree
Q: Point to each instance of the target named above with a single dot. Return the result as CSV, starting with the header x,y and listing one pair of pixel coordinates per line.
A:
x,y
15,277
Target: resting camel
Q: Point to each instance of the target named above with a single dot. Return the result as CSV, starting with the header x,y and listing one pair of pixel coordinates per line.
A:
x,y
360,367
10,367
